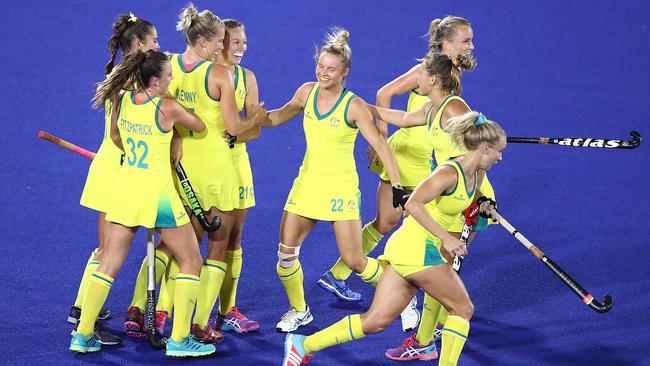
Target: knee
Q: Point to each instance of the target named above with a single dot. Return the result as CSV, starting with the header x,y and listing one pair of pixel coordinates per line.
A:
x,y
465,309
288,255
383,224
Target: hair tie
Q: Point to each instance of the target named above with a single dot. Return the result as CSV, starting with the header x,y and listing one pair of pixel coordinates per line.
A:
x,y
132,18
480,119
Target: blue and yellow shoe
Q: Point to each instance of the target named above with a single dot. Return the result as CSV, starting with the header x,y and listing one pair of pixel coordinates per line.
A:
x,y
294,352
188,347
338,287
82,344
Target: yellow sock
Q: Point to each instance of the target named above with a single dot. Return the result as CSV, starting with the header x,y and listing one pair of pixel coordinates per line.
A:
x,y
187,289
442,315
167,288
454,335
228,294
430,313
292,281
140,291
212,276
345,330
372,272
84,278
97,290
370,237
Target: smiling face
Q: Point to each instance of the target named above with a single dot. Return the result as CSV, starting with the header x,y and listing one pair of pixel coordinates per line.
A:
x,y
210,48
330,70
235,45
461,43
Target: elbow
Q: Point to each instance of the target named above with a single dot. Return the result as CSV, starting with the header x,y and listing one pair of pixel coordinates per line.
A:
x,y
383,93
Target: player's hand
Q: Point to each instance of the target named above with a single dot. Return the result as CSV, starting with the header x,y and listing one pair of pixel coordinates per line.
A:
x,y
486,205
471,214
454,246
400,196
230,139
257,113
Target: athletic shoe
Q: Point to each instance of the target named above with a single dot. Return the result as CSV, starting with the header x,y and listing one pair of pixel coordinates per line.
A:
x,y
437,334
207,334
75,314
188,347
338,287
293,319
410,316
294,352
236,321
161,318
412,350
134,323
80,343
105,337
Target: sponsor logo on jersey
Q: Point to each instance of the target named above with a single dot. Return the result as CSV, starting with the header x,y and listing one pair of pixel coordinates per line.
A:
x,y
308,115
242,94
352,205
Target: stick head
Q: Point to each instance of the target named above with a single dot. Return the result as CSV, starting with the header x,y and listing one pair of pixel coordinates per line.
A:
x,y
636,139
602,308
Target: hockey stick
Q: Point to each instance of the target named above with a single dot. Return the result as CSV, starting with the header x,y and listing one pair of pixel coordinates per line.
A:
x,y
194,202
63,143
187,187
150,311
586,297
582,141
458,260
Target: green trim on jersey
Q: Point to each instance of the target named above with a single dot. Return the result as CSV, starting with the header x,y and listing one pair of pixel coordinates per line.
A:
x,y
460,168
207,91
345,113
318,115
158,105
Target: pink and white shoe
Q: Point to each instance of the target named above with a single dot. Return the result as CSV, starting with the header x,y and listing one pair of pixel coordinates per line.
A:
x,y
235,321
411,350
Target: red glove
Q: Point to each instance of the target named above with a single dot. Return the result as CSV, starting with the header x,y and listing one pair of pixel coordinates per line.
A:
x,y
471,214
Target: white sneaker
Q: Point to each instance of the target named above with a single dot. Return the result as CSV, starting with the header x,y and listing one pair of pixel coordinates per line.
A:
x,y
293,319
410,316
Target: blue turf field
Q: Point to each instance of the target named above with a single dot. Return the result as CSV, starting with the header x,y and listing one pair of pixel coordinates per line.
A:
x,y
546,68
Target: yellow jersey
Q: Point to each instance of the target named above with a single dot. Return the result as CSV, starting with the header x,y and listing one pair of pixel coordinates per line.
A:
x,y
103,169
412,244
144,193
327,186
440,140
411,147
207,158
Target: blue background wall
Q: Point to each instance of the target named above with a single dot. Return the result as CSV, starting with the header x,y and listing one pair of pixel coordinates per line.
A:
x,y
546,68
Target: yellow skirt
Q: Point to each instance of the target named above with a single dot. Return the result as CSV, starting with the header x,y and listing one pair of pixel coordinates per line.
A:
x,y
101,178
326,202
148,200
412,245
214,179
243,166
